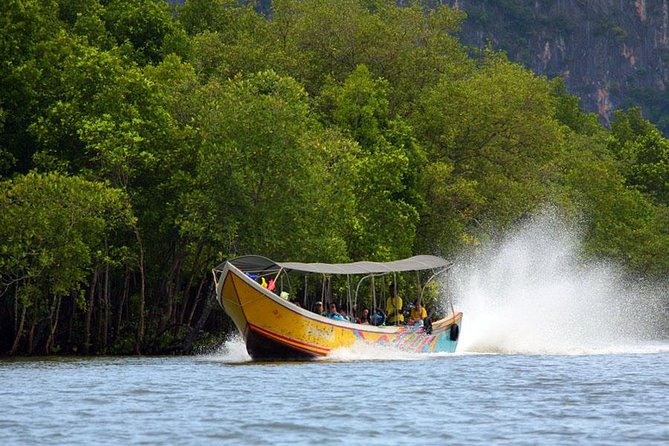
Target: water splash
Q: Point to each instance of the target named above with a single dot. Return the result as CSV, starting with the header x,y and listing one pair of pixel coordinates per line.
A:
x,y
361,351
531,293
233,350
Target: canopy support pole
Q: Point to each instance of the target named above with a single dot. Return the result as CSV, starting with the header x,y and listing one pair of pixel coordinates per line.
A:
x,y
420,298
304,299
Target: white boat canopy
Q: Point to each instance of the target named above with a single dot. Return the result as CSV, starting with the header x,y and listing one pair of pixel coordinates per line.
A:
x,y
254,263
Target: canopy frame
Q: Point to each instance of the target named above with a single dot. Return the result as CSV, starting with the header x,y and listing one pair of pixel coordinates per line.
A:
x,y
260,264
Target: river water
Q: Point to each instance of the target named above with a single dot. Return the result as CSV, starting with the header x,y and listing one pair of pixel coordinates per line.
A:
x,y
361,397
552,351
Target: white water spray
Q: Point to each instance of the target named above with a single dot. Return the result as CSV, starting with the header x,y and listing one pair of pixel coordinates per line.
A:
x,y
233,350
362,351
531,293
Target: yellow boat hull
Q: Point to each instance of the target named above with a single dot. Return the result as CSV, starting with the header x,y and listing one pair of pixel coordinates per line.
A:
x,y
274,328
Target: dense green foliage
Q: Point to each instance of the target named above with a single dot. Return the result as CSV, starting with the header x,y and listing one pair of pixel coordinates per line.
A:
x,y
140,145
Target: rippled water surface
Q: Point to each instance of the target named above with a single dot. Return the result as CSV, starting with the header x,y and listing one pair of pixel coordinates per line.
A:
x,y
457,399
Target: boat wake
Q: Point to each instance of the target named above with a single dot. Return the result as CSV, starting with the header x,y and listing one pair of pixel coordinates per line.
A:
x,y
532,294
362,351
234,351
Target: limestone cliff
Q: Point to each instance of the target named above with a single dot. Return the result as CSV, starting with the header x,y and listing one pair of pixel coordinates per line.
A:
x,y
612,53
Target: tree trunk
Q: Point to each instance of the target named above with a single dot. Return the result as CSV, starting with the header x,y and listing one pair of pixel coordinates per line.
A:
x,y
31,338
19,332
186,299
209,303
140,330
124,298
197,300
174,302
16,307
89,312
170,286
53,324
100,315
105,300
73,315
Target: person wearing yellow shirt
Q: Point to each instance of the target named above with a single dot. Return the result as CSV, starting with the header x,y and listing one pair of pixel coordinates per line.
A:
x,y
394,315
418,314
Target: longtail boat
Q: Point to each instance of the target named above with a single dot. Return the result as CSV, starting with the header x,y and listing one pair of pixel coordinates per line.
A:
x,y
252,291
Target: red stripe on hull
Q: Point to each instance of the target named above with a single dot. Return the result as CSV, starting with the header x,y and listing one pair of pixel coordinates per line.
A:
x,y
313,350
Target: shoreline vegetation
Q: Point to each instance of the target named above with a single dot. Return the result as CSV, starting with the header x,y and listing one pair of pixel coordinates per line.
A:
x,y
141,143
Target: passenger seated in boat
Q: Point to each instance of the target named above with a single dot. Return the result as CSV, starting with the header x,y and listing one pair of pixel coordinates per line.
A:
x,y
378,318
394,315
334,314
418,314
318,308
364,317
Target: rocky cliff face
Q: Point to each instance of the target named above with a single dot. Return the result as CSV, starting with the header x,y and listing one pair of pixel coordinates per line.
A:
x,y
612,53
